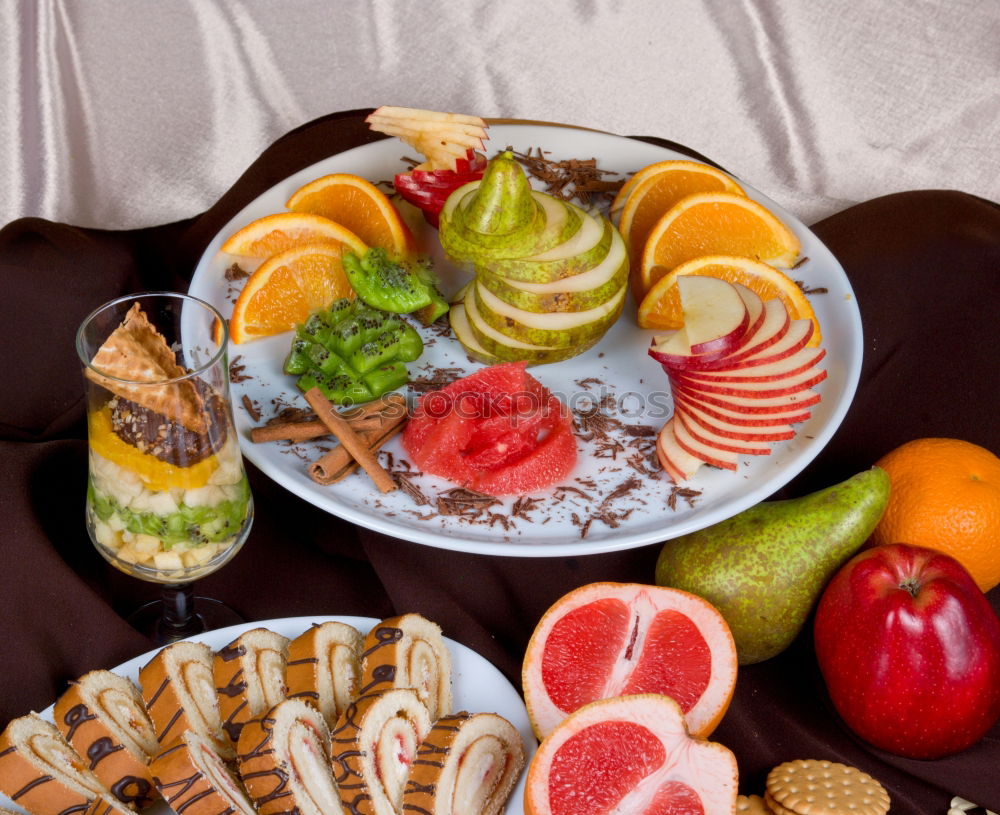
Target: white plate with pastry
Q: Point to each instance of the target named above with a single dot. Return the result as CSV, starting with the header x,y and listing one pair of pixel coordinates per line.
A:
x,y
477,686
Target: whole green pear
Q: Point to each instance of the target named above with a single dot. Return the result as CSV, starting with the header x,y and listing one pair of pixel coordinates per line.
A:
x,y
765,568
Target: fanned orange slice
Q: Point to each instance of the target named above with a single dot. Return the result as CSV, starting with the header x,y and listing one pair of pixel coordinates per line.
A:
x,y
360,206
286,288
717,223
661,307
655,189
276,233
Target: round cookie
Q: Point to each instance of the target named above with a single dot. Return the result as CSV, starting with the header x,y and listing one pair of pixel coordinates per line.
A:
x,y
751,805
815,787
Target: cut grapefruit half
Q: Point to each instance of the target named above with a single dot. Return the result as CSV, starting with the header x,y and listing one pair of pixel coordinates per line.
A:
x,y
614,639
629,754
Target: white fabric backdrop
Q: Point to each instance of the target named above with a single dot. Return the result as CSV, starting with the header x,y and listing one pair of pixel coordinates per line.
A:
x,y
126,113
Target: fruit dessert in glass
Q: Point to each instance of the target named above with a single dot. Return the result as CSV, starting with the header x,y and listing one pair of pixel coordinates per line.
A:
x,y
167,497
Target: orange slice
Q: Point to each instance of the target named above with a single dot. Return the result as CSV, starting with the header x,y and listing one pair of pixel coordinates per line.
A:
x,y
275,233
360,206
286,288
714,223
611,639
661,307
655,189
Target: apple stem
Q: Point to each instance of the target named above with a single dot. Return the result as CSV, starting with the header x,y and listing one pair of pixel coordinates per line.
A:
x,y
911,585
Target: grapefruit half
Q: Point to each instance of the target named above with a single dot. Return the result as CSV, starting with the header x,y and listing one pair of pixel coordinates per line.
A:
x,y
629,754
614,639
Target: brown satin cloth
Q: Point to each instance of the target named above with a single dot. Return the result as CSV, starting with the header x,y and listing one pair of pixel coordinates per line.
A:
x,y
925,266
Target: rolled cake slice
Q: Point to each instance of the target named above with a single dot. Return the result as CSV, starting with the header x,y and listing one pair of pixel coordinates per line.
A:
x,y
249,678
467,765
179,691
284,761
194,780
104,718
409,652
373,745
41,772
324,667
107,805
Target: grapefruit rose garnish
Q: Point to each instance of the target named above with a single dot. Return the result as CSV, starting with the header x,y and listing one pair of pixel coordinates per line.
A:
x,y
499,431
613,639
629,754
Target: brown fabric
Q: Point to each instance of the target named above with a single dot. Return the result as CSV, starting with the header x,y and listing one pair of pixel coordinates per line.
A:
x,y
925,267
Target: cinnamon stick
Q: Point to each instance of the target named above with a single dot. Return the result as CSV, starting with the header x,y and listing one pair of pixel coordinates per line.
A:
x,y
363,417
337,464
350,440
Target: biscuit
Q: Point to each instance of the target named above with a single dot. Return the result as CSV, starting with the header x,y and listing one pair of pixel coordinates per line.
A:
x,y
751,805
815,787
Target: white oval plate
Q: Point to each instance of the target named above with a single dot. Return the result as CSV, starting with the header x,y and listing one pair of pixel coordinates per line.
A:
x,y
477,685
557,525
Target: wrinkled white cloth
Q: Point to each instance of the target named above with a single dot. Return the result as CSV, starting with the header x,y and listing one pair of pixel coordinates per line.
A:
x,y
128,113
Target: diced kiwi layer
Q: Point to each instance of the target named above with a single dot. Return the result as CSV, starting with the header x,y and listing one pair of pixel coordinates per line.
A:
x,y
194,525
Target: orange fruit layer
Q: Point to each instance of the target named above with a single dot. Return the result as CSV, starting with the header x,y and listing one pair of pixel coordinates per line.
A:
x,y
945,495
714,224
655,189
287,288
358,205
156,474
284,230
661,307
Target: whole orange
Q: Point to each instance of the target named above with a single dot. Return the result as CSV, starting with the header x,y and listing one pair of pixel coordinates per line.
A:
x,y
945,495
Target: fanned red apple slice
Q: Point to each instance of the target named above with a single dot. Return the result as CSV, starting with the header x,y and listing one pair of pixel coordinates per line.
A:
x,y
714,456
776,371
788,416
708,437
677,462
768,406
467,765
753,390
715,316
762,432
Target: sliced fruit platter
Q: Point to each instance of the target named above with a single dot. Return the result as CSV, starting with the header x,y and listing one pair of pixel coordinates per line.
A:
x,y
623,360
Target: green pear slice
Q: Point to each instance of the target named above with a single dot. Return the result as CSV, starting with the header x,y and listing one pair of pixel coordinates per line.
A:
x,y
559,220
554,329
582,251
463,333
580,292
510,350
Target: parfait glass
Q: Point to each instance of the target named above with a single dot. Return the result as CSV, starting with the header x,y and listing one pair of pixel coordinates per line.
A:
x,y
168,499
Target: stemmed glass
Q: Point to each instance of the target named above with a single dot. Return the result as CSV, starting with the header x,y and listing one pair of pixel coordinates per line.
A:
x,y
167,496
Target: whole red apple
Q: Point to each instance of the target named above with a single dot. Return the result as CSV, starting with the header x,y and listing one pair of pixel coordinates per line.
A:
x,y
909,648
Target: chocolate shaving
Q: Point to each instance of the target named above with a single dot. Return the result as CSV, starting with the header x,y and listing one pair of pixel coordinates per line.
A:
x,y
806,290
251,408
595,422
608,448
569,178
524,505
586,383
686,493
236,272
802,261
237,371
435,379
565,488
288,415
464,502
639,430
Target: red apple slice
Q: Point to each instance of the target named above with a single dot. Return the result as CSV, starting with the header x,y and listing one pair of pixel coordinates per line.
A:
x,y
715,316
791,415
679,464
755,390
755,406
725,459
673,350
710,438
797,363
766,430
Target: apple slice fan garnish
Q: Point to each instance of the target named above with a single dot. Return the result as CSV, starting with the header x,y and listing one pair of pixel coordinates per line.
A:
x,y
736,363
409,652
284,761
373,747
468,763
